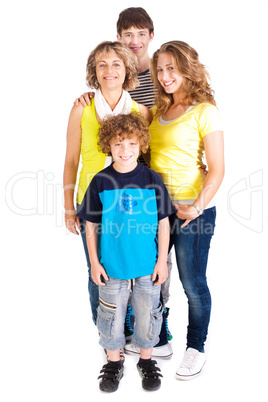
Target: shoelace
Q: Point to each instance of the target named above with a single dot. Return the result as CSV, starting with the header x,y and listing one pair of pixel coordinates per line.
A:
x,y
149,370
189,359
110,371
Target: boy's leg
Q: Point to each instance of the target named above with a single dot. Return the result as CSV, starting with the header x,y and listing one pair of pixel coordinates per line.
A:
x,y
148,312
162,349
113,299
113,355
146,353
110,322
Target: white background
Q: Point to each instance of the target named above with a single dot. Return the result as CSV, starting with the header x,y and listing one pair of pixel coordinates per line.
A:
x,y
49,345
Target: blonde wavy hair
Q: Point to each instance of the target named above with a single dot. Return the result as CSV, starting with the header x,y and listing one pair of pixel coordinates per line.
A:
x,y
124,53
195,76
123,126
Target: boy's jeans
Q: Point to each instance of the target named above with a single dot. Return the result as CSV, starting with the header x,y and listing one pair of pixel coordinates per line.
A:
x,y
191,248
113,301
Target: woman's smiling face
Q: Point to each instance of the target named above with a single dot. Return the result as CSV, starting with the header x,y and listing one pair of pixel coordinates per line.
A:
x,y
168,74
110,70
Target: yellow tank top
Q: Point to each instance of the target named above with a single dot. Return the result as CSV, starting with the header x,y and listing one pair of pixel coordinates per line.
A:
x,y
92,159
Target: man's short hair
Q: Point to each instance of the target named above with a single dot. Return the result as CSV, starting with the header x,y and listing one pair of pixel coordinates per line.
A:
x,y
135,17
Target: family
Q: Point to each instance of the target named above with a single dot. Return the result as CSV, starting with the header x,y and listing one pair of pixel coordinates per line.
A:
x,y
143,189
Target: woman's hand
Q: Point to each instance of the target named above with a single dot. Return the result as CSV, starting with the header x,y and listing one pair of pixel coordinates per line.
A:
x,y
187,212
72,222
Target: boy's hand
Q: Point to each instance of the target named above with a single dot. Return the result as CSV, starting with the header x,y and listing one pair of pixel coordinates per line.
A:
x,y
98,274
160,273
84,99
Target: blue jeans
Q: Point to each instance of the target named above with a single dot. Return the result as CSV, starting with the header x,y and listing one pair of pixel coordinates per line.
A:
x,y
112,312
93,289
192,245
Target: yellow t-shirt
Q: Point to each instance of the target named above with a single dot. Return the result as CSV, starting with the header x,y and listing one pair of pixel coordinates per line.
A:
x,y
93,160
177,149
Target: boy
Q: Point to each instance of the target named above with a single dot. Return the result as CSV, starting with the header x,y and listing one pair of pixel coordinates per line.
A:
x,y
135,29
129,204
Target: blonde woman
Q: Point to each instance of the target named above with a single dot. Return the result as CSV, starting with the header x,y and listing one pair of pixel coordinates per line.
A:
x,y
186,126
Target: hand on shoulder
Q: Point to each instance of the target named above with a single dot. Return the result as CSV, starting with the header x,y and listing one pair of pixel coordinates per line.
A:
x,y
84,99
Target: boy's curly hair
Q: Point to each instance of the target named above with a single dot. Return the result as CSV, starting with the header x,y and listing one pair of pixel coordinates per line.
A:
x,y
123,126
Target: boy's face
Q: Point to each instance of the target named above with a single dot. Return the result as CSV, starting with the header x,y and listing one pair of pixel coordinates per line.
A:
x,y
137,40
125,154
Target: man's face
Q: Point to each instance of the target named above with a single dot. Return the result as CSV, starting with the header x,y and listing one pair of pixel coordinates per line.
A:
x,y
137,40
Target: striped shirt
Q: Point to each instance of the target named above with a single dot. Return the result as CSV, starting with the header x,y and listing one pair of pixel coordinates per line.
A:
x,y
145,92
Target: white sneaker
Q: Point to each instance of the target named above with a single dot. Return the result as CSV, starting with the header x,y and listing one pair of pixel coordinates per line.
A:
x,y
191,365
164,352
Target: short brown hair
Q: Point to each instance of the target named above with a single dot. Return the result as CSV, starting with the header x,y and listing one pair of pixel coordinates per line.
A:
x,y
124,53
135,17
123,126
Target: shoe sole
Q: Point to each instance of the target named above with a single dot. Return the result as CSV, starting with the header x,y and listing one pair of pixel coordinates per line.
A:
x,y
189,377
167,357
109,391
151,389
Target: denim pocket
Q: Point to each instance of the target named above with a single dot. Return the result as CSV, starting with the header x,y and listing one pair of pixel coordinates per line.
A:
x,y
105,320
155,322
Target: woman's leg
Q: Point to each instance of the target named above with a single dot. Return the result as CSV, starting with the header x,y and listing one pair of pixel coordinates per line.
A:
x,y
93,289
192,245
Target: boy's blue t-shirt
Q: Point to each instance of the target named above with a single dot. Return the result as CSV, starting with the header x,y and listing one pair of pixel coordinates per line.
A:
x,y
127,207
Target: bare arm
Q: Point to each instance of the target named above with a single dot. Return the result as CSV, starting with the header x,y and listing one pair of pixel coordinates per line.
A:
x,y
145,113
160,270
71,166
97,270
214,149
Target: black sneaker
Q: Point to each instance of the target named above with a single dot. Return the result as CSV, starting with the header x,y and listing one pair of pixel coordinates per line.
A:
x,y
149,374
112,374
